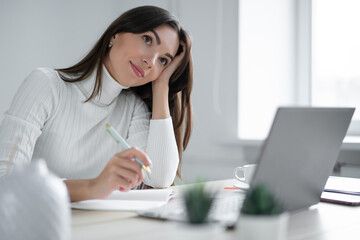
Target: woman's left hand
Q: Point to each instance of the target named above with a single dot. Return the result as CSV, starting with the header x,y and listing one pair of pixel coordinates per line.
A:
x,y
163,80
160,88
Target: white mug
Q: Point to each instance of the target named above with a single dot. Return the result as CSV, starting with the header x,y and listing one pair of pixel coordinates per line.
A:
x,y
247,171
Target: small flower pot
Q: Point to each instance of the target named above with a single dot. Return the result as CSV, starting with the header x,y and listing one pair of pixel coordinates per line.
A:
x,y
261,227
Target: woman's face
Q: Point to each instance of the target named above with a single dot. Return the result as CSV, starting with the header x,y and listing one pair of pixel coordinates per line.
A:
x,y
136,59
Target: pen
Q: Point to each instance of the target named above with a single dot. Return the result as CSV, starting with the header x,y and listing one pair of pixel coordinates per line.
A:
x,y
125,145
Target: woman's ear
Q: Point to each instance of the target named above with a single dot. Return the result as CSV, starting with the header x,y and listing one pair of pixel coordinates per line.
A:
x,y
112,40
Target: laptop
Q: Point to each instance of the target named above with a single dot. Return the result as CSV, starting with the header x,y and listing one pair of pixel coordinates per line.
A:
x,y
300,153
295,162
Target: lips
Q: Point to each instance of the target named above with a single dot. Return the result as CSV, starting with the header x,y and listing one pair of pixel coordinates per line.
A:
x,y
137,70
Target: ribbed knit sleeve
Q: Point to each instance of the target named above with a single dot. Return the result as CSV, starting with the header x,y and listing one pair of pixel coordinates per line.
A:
x,y
163,152
157,138
31,107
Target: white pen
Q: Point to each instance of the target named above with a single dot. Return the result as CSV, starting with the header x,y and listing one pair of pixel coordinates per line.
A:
x,y
125,145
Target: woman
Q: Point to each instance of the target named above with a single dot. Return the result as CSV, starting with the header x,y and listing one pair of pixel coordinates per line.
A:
x,y
137,78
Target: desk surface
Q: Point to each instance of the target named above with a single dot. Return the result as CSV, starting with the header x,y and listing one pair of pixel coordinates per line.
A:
x,y
322,221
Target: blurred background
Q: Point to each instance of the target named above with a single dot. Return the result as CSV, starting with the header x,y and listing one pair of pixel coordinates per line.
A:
x,y
249,58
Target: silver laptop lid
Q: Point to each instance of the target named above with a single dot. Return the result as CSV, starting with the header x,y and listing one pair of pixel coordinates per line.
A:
x,y
300,152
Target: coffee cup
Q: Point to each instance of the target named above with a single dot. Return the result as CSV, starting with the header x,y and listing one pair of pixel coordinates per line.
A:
x,y
244,173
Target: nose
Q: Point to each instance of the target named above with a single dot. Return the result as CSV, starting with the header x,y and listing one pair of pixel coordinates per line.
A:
x,y
149,61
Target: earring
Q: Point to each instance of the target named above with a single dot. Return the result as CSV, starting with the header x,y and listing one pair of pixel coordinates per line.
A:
x,y
110,44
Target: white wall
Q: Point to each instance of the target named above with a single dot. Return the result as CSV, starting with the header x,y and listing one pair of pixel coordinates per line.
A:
x,y
213,25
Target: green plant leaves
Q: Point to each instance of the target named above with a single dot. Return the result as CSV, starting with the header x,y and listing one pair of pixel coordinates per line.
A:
x,y
198,203
260,201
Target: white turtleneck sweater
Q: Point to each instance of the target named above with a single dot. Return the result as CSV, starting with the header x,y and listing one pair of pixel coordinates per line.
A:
x,y
48,119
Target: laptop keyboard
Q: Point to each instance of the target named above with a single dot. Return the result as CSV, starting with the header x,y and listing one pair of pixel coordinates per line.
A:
x,y
225,209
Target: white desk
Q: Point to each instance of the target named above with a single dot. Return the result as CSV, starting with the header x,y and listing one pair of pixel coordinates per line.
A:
x,y
322,221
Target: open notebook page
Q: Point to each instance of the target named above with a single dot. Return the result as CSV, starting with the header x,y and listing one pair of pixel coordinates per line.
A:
x,y
128,201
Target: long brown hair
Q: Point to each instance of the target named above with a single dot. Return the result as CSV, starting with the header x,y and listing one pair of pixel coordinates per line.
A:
x,y
140,20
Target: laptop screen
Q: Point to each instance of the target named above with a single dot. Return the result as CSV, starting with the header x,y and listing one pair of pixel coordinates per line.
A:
x,y
300,152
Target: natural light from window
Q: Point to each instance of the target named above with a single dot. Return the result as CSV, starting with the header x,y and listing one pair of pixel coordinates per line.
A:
x,y
304,53
336,53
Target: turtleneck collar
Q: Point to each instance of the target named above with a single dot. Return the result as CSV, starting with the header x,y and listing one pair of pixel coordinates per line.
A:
x,y
110,88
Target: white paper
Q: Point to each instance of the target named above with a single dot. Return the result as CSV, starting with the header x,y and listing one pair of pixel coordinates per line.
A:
x,y
343,185
128,201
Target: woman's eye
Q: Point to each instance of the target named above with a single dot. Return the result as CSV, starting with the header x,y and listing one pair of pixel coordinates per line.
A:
x,y
147,40
163,61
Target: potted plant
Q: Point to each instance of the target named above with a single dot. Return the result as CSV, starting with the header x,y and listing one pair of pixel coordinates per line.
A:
x,y
198,203
262,216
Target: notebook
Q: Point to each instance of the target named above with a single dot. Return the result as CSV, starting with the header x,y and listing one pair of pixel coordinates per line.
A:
x,y
344,185
133,200
342,190
296,159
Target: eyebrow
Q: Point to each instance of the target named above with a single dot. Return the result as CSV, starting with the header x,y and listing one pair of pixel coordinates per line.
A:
x,y
156,36
170,56
158,41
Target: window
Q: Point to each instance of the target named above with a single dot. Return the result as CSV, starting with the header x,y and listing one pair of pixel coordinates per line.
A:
x,y
295,53
336,55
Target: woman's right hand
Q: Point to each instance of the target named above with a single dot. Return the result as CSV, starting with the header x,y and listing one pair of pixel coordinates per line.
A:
x,y
121,173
